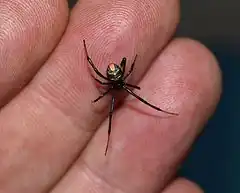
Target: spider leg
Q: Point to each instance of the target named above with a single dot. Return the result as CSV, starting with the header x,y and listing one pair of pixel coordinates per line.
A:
x,y
131,69
100,82
102,95
91,63
145,102
110,122
123,64
133,86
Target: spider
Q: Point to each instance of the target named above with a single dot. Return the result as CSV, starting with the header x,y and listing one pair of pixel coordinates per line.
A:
x,y
116,80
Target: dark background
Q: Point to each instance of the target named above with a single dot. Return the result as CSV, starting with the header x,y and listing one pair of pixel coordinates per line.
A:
x,y
214,162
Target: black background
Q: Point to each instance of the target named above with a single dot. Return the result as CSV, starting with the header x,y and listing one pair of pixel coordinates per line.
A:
x,y
214,162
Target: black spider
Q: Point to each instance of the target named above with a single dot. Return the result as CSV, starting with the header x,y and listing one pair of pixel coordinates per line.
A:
x,y
116,81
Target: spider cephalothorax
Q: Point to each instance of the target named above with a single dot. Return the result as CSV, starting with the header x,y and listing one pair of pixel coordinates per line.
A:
x,y
116,79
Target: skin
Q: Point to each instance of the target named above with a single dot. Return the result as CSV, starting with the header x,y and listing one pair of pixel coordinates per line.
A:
x,y
52,138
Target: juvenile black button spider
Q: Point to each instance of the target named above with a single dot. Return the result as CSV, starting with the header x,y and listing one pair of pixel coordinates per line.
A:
x,y
116,80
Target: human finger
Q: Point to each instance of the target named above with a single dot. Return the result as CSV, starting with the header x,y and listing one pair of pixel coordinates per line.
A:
x,y
29,30
182,185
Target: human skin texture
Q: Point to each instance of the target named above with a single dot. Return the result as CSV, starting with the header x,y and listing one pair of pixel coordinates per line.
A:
x,y
53,138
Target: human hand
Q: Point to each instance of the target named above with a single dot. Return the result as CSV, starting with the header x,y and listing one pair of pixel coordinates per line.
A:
x,y
52,138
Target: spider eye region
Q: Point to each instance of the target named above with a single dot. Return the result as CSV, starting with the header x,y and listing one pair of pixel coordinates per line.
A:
x,y
114,72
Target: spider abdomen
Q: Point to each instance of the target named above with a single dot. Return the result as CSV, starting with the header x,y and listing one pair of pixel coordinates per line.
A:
x,y
114,72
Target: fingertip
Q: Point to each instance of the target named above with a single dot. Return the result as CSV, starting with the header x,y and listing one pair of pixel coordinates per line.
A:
x,y
29,32
204,71
204,58
182,185
190,74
